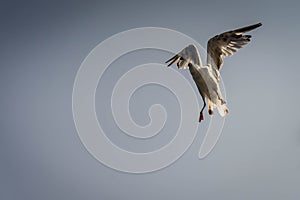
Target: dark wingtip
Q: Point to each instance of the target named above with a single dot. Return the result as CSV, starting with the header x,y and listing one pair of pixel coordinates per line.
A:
x,y
249,28
172,60
169,63
254,26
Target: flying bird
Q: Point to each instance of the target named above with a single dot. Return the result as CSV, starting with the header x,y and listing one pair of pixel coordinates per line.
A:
x,y
207,77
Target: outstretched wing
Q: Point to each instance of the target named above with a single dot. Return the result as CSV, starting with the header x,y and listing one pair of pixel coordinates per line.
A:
x,y
188,55
226,44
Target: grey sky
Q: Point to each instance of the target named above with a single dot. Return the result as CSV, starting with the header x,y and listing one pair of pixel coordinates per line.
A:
x,y
42,47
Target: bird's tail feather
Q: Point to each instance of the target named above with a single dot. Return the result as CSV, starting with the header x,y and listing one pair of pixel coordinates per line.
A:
x,y
222,108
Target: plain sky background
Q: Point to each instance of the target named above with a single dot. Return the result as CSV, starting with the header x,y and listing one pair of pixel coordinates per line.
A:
x,y
42,47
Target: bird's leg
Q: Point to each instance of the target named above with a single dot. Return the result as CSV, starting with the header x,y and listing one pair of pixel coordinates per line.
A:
x,y
201,117
201,112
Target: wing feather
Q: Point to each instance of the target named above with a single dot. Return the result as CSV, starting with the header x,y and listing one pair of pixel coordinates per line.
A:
x,y
188,55
226,44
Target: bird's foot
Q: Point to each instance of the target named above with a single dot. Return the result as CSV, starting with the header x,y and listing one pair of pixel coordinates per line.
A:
x,y
201,117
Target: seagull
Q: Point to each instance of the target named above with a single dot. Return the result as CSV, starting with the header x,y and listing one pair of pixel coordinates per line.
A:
x,y
207,77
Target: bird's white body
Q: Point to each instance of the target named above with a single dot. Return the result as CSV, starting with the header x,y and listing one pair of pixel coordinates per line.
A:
x,y
214,95
206,79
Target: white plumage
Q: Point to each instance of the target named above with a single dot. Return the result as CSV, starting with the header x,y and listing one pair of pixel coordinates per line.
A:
x,y
207,78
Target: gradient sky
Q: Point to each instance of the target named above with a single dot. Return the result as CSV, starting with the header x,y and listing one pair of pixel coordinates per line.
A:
x,y
42,47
